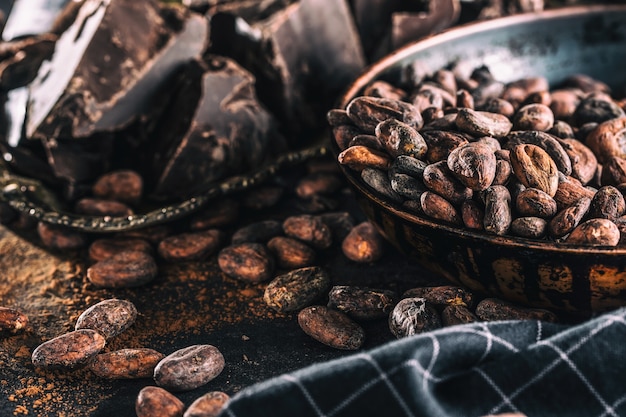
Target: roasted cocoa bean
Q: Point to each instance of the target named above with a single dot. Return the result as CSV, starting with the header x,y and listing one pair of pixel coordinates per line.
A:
x,y
442,295
339,223
597,108
607,203
369,141
412,316
126,269
614,171
534,117
291,253
535,203
363,244
550,144
344,134
208,405
367,112
464,99
569,191
121,185
126,363
529,227
564,102
499,106
60,238
503,172
401,139
12,320
567,219
454,314
69,350
383,89
479,123
249,262
379,181
491,309
562,129
607,139
474,165
359,157
534,168
404,164
297,289
108,317
441,143
338,117
309,229
498,216
190,246
584,162
157,402
105,248
441,180
472,214
362,303
437,207
407,186
189,368
595,232
331,327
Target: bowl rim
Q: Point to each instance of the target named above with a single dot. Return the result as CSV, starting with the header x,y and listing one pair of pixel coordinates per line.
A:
x,y
377,68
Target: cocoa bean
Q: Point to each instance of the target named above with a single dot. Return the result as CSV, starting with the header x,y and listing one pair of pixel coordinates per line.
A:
x,y
331,327
101,207
437,207
454,314
535,203
474,165
108,317
249,262
361,303
363,244
59,237
189,368
121,185
359,157
126,269
291,253
223,212
190,246
70,350
441,180
309,229
607,203
401,139
412,316
498,217
529,227
297,289
491,309
157,402
533,117
105,248
534,168
479,123
208,405
595,232
126,363
567,219
442,295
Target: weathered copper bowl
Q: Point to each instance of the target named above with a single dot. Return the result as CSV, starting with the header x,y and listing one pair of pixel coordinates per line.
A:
x,y
555,44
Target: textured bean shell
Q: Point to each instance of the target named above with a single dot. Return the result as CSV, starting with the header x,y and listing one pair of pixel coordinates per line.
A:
x,y
189,368
69,350
331,327
412,316
362,303
297,289
157,402
126,363
108,317
126,269
12,320
208,405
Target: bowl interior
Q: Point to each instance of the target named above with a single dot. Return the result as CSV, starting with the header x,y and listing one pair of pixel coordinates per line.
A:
x,y
555,44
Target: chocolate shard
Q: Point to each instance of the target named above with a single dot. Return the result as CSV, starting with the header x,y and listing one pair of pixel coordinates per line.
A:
x,y
407,26
108,64
20,59
302,56
373,19
214,127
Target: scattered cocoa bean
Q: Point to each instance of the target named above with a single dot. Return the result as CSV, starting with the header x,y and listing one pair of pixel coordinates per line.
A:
x,y
208,405
60,238
454,314
69,350
258,232
363,244
490,309
250,262
309,229
126,363
362,303
101,207
108,317
297,289
157,402
124,270
442,295
223,213
105,248
12,320
291,253
412,316
190,246
122,185
189,368
331,327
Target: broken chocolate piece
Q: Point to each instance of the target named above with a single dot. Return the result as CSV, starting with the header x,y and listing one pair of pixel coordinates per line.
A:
x,y
107,66
20,60
407,26
302,56
214,127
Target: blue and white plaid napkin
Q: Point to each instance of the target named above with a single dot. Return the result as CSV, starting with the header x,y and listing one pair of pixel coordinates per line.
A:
x,y
528,367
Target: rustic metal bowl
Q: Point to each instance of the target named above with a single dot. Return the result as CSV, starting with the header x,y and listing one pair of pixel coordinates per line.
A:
x,y
555,44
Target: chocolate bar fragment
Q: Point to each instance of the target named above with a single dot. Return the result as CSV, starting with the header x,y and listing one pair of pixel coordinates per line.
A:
x,y
20,59
213,127
107,65
303,56
407,26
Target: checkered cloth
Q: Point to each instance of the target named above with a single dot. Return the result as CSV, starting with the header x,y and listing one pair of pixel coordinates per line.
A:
x,y
529,367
